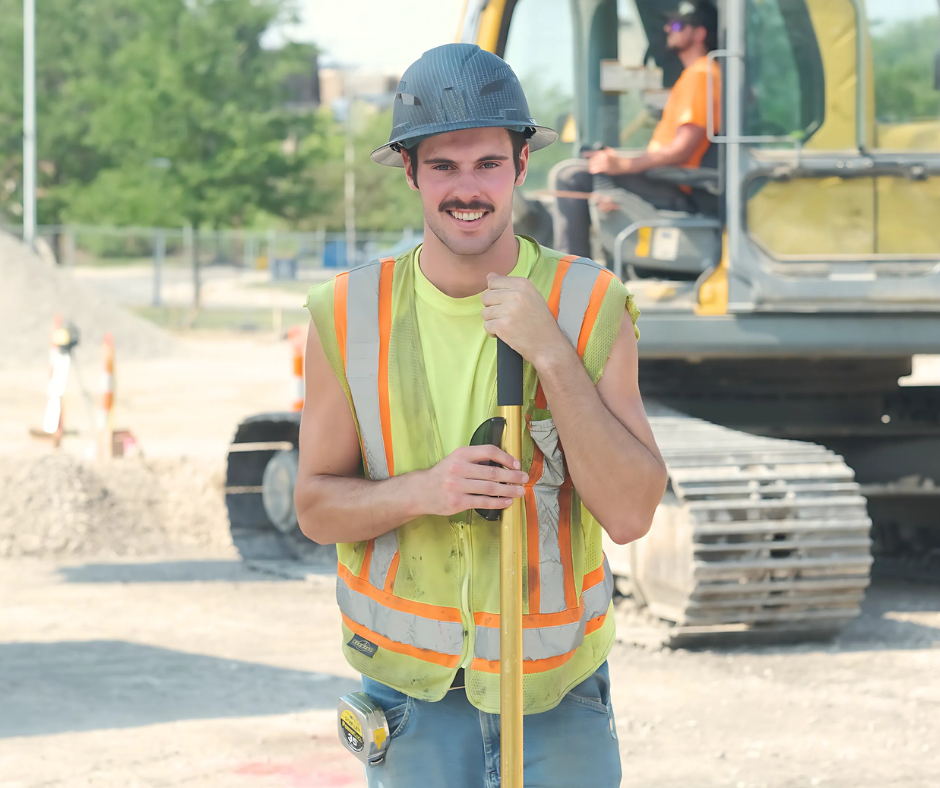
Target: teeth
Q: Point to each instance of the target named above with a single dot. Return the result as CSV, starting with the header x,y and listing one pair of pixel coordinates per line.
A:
x,y
467,217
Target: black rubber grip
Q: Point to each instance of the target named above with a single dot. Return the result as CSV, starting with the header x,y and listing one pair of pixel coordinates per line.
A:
x,y
508,375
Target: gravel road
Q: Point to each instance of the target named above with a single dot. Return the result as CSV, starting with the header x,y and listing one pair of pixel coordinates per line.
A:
x,y
200,672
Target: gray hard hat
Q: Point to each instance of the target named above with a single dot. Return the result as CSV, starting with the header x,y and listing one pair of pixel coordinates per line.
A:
x,y
453,87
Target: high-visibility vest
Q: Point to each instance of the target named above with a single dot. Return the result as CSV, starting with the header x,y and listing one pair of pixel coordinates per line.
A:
x,y
422,600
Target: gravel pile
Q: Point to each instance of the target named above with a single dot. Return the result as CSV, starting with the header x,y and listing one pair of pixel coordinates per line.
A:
x,y
57,505
33,289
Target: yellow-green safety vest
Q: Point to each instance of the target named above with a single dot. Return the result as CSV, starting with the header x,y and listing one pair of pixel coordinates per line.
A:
x,y
422,600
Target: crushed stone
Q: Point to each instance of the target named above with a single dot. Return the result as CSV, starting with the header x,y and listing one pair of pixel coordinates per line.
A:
x,y
34,289
59,505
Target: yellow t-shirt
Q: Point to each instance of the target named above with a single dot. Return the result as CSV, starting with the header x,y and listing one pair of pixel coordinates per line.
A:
x,y
459,356
688,103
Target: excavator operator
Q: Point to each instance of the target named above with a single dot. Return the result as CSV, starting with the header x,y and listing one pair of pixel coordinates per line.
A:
x,y
680,138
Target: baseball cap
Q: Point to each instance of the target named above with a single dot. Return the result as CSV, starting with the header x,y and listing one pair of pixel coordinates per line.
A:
x,y
697,13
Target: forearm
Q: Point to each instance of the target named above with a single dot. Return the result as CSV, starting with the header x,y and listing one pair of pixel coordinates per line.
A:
x,y
334,509
664,157
618,477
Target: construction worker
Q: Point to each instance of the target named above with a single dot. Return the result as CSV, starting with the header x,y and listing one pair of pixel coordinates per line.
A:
x,y
401,368
679,140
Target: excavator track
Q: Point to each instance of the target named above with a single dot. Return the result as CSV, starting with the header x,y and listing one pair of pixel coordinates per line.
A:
x,y
262,463
757,538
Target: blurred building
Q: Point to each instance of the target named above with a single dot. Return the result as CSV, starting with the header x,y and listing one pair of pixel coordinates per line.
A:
x,y
303,89
339,86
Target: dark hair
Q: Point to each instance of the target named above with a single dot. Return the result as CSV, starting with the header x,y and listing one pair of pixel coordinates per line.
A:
x,y
518,139
711,39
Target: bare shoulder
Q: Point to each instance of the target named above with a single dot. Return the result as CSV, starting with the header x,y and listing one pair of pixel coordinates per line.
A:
x,y
620,377
619,387
329,442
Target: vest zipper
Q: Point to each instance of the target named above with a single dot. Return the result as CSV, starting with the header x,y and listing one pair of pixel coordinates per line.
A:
x,y
463,533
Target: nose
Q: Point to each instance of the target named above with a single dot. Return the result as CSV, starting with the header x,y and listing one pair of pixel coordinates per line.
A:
x,y
466,186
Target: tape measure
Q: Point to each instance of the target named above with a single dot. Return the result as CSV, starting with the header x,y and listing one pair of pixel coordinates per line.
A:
x,y
362,727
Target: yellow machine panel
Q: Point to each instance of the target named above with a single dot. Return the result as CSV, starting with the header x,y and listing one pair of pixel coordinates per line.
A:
x,y
819,216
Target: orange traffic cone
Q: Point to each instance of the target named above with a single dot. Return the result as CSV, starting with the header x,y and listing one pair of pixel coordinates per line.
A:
x,y
296,335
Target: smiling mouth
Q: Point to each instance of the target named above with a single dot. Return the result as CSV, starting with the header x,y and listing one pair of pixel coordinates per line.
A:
x,y
467,216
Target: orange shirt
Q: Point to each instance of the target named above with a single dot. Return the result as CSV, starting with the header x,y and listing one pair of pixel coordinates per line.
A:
x,y
688,103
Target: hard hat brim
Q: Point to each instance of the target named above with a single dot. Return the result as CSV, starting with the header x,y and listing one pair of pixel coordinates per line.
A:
x,y
390,157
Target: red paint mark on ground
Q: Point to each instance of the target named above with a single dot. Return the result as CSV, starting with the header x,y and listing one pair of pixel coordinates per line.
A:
x,y
298,775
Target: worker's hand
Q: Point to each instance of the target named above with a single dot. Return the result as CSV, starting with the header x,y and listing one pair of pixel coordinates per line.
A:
x,y
606,204
608,162
459,481
516,312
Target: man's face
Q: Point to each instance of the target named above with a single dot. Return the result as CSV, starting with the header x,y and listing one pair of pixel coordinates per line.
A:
x,y
466,181
679,36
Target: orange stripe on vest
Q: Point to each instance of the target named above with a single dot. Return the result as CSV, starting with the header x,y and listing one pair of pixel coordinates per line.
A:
x,y
539,665
435,657
436,612
593,310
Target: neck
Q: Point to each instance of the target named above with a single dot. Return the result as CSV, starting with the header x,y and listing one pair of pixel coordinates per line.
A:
x,y
690,55
460,275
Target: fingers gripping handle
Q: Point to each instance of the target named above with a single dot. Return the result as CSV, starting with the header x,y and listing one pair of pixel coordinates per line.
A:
x,y
508,375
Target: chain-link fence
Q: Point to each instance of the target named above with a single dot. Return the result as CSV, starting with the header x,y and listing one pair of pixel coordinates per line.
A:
x,y
211,278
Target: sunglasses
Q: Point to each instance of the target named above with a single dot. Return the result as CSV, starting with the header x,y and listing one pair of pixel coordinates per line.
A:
x,y
489,433
676,26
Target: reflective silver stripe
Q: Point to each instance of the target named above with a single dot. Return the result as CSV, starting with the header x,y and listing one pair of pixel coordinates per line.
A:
x,y
384,548
551,570
362,362
362,372
444,637
546,642
575,296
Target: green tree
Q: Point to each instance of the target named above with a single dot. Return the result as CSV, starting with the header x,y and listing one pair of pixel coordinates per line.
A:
x,y
384,201
904,71
160,112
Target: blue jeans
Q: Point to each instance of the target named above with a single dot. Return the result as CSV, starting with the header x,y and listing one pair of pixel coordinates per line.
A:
x,y
451,744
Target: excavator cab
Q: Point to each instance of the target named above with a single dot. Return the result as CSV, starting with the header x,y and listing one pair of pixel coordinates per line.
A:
x,y
827,123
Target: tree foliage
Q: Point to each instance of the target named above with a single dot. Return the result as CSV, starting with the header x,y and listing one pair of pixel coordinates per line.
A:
x,y
161,112
904,59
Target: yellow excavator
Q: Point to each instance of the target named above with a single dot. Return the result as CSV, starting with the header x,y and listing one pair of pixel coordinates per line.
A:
x,y
775,327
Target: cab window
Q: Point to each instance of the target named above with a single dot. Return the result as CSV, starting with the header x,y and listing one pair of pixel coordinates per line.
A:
x,y
784,79
539,47
905,53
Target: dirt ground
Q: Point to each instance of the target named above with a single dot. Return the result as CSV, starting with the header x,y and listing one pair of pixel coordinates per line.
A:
x,y
204,673
172,664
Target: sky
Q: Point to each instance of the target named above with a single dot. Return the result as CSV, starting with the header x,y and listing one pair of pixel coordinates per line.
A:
x,y
377,34
384,36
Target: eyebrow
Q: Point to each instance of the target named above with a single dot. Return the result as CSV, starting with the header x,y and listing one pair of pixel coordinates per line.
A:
x,y
492,157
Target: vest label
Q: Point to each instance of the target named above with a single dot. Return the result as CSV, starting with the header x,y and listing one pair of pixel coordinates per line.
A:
x,y
363,646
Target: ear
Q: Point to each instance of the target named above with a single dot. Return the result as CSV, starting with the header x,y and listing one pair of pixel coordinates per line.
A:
x,y
523,165
699,34
409,170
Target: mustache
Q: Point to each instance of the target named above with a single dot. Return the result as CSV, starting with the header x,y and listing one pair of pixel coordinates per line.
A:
x,y
456,205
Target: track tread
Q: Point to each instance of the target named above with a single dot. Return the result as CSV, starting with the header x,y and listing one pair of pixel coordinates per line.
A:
x,y
779,535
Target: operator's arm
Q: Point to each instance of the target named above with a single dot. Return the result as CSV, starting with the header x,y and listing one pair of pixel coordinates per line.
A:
x,y
335,504
608,443
675,154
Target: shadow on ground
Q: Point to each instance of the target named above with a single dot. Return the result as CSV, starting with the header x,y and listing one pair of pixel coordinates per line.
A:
x,y
49,688
895,616
233,571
